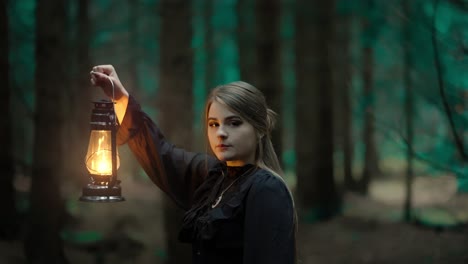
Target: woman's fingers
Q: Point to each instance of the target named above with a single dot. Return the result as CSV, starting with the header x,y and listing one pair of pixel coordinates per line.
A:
x,y
105,77
103,81
99,79
106,69
101,75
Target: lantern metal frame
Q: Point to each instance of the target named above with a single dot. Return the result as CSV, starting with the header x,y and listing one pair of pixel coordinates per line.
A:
x,y
102,188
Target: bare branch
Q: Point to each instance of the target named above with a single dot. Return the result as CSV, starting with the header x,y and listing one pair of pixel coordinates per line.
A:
x,y
438,65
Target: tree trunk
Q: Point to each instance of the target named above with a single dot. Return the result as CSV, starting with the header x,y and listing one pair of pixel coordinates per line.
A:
x,y
133,45
317,193
269,61
371,167
408,110
370,152
209,44
9,219
201,57
245,35
175,103
81,95
343,109
42,242
133,42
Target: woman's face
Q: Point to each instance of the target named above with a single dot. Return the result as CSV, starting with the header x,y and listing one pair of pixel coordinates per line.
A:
x,y
232,139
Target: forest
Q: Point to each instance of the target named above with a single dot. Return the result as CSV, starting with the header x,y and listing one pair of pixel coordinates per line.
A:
x,y
372,134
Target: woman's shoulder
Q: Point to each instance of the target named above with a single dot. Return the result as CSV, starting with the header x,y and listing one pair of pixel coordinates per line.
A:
x,y
267,182
270,192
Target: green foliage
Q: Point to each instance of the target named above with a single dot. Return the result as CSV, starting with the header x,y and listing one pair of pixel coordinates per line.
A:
x,y
161,254
199,63
224,23
22,202
81,237
433,143
319,213
287,31
463,180
22,69
347,8
436,218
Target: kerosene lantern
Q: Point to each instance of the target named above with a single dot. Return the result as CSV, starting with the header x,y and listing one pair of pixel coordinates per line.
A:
x,y
102,160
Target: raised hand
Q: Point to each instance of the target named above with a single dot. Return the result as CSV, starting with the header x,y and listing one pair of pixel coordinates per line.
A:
x,y
103,76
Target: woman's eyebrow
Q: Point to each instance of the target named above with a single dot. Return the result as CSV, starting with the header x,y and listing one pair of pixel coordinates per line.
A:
x,y
232,117
226,118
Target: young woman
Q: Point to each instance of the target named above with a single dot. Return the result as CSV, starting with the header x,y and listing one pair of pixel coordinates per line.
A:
x,y
239,210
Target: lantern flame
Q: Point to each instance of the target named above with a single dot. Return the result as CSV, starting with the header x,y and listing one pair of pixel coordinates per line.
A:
x,y
99,157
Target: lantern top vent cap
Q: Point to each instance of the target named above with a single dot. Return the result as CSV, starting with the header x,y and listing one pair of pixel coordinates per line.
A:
x,y
103,104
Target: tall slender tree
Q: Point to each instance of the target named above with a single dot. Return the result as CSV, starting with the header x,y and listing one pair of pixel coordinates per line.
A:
x,y
133,42
209,45
269,60
80,96
342,84
408,107
201,57
42,242
246,36
174,99
8,223
134,56
371,167
316,190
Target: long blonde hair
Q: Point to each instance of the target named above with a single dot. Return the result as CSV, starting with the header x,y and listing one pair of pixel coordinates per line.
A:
x,y
250,104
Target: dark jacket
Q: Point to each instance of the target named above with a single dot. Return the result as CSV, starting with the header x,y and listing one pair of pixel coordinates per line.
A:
x,y
253,223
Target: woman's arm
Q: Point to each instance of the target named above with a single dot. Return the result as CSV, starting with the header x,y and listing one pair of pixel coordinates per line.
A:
x,y
269,234
177,172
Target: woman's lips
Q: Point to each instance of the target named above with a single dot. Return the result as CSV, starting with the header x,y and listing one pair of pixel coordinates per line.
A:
x,y
222,146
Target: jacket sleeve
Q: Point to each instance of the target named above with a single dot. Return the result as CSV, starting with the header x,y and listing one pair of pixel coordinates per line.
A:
x,y
269,233
175,171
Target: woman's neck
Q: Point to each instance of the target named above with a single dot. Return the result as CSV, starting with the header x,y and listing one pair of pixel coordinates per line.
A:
x,y
236,171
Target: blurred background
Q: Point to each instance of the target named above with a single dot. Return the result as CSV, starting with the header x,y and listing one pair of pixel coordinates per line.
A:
x,y
372,132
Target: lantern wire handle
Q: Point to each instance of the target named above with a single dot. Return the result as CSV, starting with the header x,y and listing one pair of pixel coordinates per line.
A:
x,y
113,140
113,98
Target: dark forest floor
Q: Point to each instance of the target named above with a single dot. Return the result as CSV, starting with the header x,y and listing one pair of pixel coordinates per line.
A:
x,y
369,231
375,239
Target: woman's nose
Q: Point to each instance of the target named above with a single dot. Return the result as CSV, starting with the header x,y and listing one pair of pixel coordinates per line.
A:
x,y
221,132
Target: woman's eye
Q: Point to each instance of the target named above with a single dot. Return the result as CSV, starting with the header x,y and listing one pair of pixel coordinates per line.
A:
x,y
213,124
236,123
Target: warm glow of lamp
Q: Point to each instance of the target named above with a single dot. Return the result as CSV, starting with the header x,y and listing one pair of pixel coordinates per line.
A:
x,y
102,159
99,156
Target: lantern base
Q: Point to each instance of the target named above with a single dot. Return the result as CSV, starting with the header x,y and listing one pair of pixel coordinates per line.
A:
x,y
102,199
102,193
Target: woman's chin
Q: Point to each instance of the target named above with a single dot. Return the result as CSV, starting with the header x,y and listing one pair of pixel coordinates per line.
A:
x,y
223,158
